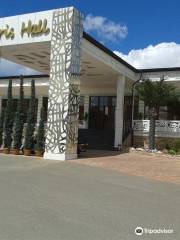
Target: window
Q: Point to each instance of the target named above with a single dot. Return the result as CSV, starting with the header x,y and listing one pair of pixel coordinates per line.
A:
x,y
102,112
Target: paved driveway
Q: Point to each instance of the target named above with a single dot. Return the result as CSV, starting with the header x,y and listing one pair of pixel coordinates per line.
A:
x,y
49,200
158,167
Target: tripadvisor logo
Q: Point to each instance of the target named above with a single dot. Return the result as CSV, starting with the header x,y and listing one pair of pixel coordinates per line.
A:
x,y
139,231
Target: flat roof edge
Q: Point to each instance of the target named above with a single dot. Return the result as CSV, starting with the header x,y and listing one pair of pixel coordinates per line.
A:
x,y
108,51
25,76
169,69
112,54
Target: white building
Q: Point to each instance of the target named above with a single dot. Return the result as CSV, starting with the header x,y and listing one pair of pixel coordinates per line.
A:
x,y
80,77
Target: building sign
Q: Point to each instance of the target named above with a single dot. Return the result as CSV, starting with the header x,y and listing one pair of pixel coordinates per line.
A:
x,y
35,29
7,32
30,29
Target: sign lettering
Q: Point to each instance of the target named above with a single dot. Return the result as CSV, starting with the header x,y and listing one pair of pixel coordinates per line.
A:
x,y
30,29
7,32
35,29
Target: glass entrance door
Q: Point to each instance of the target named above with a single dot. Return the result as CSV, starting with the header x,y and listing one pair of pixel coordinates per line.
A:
x,y
102,112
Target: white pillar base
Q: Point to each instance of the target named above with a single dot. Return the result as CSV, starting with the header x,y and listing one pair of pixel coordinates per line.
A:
x,y
59,157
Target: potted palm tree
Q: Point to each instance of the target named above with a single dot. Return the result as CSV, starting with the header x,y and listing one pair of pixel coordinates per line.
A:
x,y
155,94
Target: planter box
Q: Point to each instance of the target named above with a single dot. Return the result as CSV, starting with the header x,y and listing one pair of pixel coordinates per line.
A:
x,y
15,151
27,152
6,150
38,153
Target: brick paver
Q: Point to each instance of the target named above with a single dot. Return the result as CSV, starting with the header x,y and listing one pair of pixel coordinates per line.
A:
x,y
152,166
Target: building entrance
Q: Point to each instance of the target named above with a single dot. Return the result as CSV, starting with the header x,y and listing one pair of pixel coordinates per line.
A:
x,y
102,112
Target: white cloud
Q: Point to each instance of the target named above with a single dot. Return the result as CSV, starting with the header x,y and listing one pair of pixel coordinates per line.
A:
x,y
160,55
8,68
105,29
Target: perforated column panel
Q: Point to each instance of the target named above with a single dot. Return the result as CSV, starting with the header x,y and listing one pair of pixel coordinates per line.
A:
x,y
63,103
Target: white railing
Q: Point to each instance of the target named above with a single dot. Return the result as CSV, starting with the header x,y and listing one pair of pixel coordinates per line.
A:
x,y
164,128
141,125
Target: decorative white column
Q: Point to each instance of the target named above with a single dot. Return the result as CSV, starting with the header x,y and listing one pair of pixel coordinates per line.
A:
x,y
119,112
40,103
63,100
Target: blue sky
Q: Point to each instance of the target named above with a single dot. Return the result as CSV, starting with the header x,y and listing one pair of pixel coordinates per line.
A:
x,y
134,29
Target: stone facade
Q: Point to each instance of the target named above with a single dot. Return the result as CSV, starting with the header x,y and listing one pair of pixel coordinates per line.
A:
x,y
161,142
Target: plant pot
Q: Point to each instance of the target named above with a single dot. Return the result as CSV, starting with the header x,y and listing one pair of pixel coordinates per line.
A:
x,y
15,151
27,152
6,150
38,153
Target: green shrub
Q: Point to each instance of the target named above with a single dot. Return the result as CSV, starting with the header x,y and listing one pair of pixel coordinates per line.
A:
x,y
177,146
19,119
172,152
8,119
29,133
174,148
18,130
40,145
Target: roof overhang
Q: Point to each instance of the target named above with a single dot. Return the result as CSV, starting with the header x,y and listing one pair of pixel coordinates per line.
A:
x,y
26,40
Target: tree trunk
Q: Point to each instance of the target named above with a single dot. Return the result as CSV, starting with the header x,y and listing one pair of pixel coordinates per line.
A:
x,y
152,126
152,133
